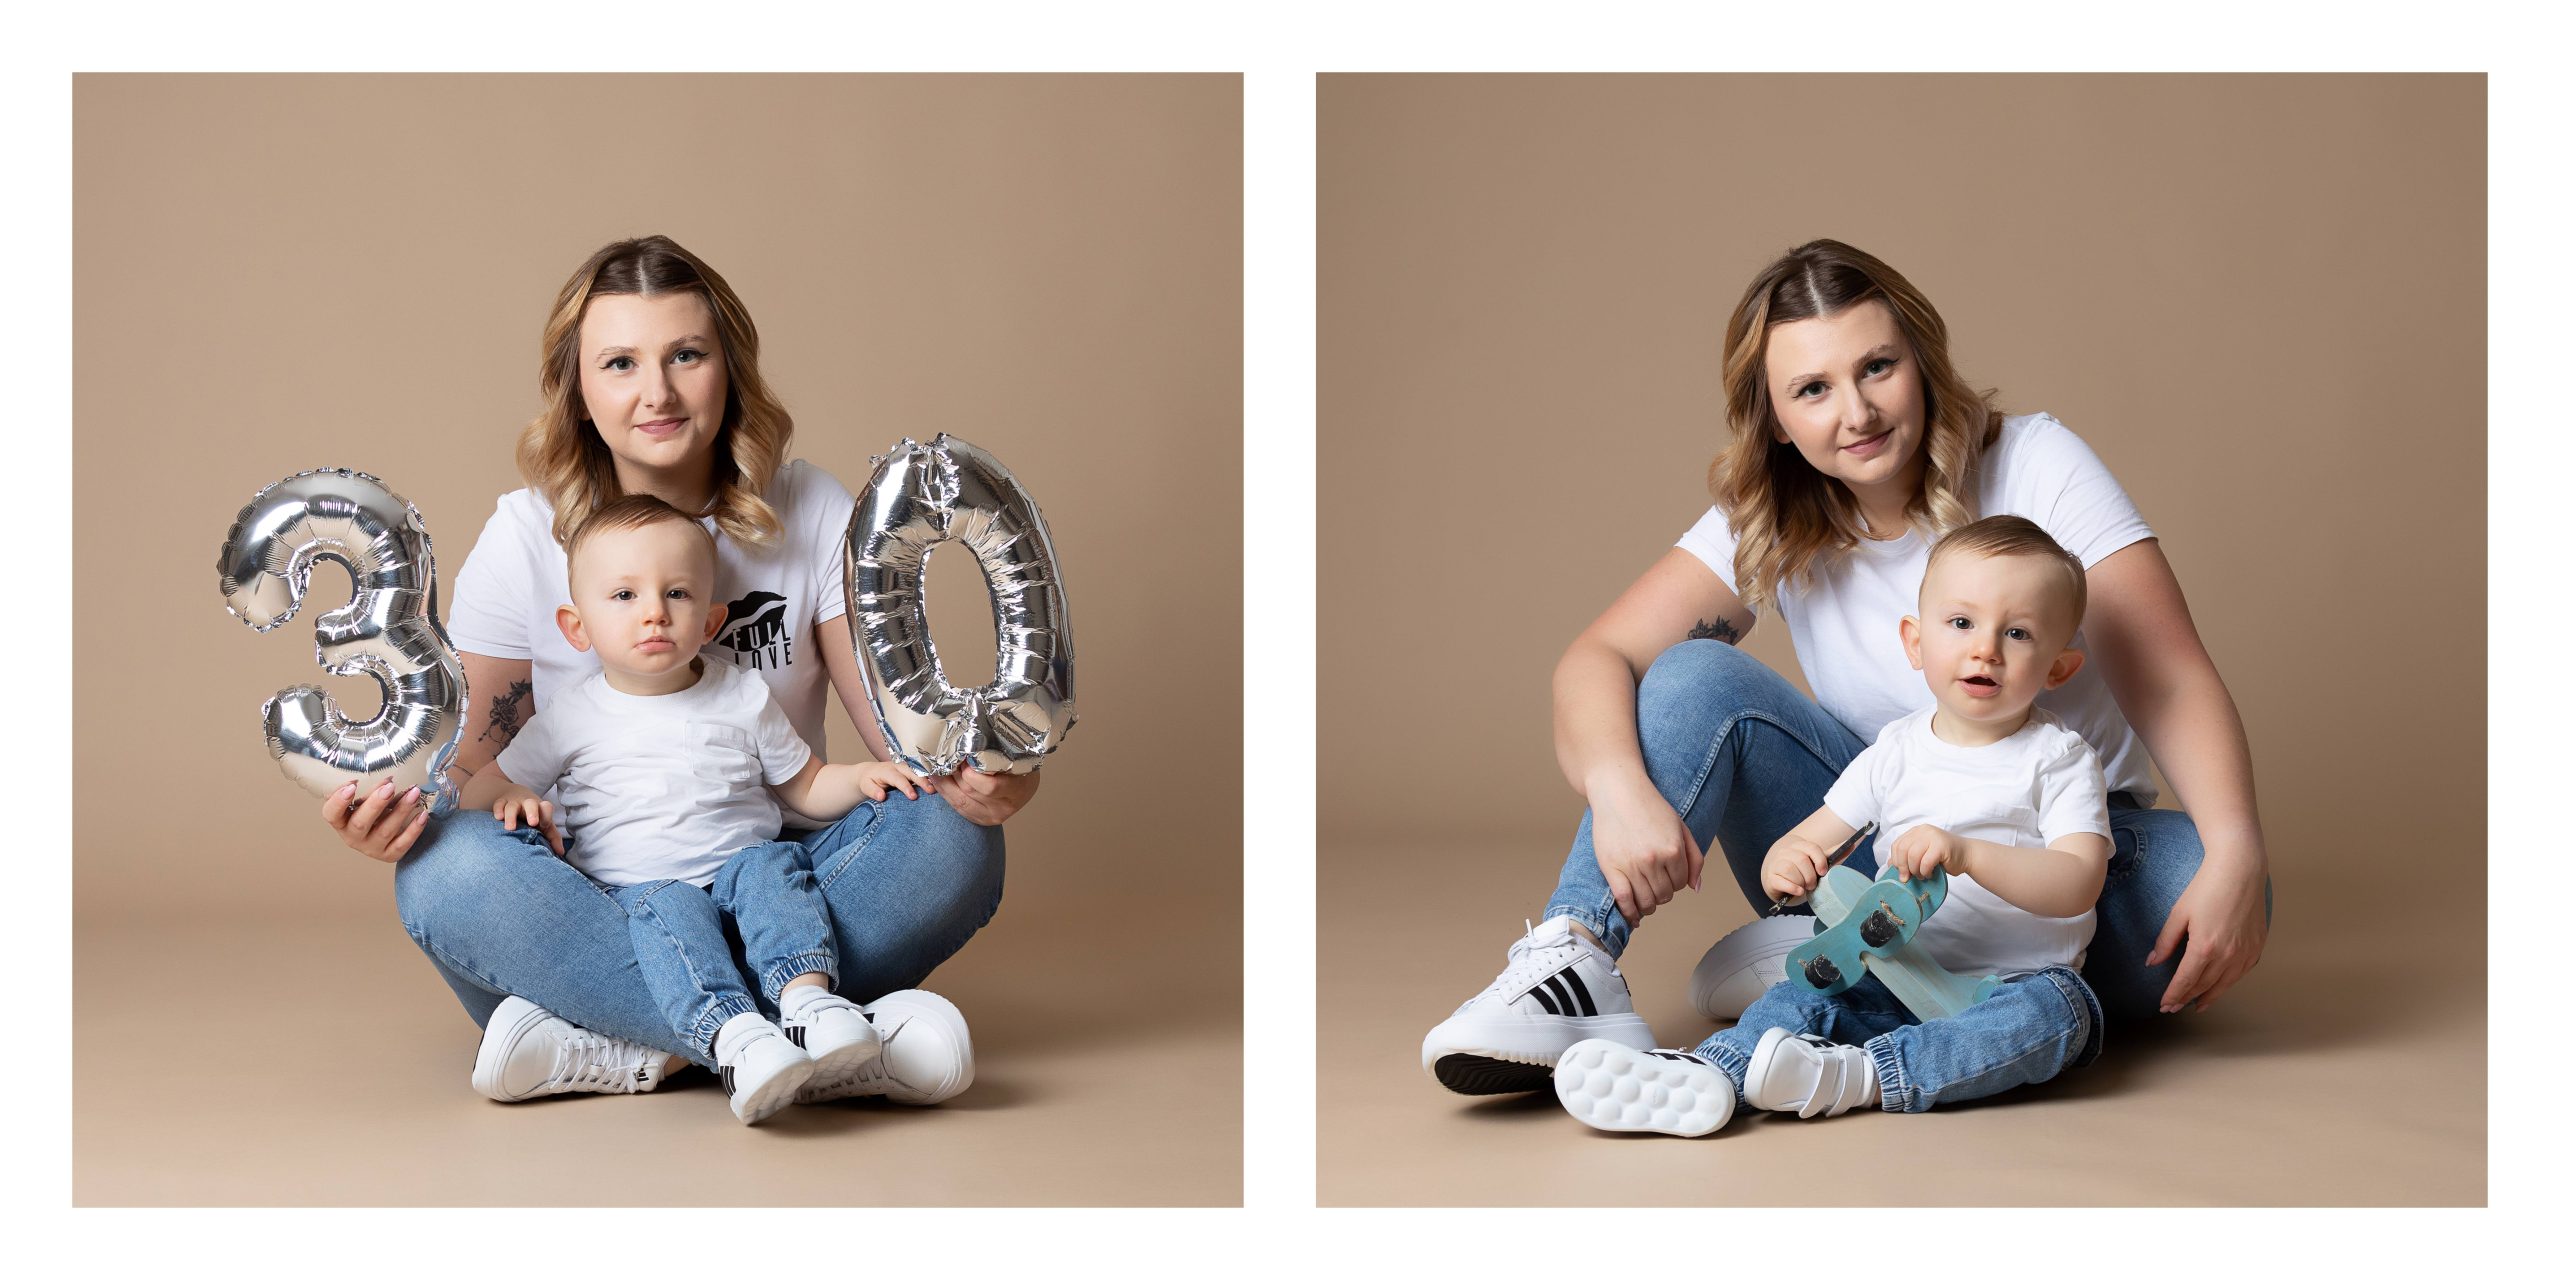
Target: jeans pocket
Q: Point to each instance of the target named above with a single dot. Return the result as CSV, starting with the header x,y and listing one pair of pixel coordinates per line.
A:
x,y
2127,859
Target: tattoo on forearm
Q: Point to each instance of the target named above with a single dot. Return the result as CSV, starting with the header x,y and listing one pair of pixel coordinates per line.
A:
x,y
506,713
1716,630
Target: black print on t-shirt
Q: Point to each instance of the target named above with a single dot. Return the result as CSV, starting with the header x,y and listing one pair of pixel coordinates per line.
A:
x,y
758,631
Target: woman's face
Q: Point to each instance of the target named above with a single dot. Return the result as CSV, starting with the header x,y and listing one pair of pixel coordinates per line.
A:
x,y
1848,396
654,378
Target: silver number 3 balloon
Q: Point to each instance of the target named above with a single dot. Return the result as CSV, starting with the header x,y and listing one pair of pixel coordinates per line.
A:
x,y
920,496
389,631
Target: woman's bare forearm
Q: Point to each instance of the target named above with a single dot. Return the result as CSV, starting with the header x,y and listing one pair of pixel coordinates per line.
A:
x,y
1595,716
2203,751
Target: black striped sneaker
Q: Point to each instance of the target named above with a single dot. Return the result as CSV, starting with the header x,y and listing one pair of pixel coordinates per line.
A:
x,y
759,1069
1558,990
834,1032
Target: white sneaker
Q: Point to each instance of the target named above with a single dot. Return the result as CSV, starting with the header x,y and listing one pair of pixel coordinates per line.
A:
x,y
1745,963
925,1055
1558,990
833,1032
760,1070
1808,1075
527,1051
1609,1086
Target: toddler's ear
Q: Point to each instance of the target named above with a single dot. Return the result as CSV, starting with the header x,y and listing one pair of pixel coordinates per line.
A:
x,y
571,629
2065,665
1911,640
711,630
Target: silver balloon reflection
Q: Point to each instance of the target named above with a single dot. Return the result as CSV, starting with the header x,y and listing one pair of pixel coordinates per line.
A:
x,y
389,631
920,496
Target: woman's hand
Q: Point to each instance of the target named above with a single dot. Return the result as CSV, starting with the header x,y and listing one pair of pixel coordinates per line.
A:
x,y
2223,919
382,828
1645,851
988,799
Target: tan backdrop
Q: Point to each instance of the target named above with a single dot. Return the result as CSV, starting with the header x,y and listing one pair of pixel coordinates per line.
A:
x,y
276,273
2260,299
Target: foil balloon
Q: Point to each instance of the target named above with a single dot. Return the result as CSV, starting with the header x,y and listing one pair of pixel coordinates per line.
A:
x,y
920,497
389,631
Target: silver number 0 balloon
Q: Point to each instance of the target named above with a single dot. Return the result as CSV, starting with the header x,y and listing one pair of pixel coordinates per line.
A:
x,y
389,631
920,496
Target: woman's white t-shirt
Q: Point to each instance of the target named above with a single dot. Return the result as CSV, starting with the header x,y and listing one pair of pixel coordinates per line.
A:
x,y
1846,616
509,592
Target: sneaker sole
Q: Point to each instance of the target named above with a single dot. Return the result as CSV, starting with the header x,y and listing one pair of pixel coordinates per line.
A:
x,y
775,1094
508,1024
1609,1086
1763,940
839,1067
1503,1054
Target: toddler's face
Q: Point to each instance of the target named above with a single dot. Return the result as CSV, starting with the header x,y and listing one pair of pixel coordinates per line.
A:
x,y
1991,634
643,598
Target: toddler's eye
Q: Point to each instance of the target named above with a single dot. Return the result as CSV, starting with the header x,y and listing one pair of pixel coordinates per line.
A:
x,y
1961,624
2019,633
679,593
624,593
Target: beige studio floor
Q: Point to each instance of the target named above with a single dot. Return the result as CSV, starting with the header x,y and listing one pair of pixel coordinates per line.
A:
x,y
2336,1075
321,1062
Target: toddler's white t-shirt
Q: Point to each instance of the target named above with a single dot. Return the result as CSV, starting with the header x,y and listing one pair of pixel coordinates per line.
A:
x,y
663,787
2027,790
516,579
1845,618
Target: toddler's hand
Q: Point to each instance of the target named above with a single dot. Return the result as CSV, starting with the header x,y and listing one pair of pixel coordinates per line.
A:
x,y
1919,852
1793,867
534,811
878,776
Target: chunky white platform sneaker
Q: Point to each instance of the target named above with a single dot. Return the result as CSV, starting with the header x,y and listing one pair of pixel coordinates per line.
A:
x,y
1808,1075
1607,1085
1745,963
527,1051
925,1056
1557,991
760,1070
832,1031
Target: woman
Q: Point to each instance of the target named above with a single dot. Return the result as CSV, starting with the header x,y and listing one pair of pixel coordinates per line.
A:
x,y
650,385
1855,445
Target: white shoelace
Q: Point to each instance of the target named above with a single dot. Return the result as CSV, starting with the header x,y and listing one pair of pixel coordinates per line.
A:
x,y
591,1060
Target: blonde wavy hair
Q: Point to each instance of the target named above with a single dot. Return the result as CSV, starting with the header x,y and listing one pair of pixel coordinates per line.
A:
x,y
1784,514
564,459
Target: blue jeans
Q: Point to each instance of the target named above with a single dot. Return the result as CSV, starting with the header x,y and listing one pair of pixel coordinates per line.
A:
x,y
679,935
907,882
2035,1026
1743,756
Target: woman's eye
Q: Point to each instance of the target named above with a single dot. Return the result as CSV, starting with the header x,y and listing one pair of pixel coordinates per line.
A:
x,y
1810,388
618,364
1879,363
688,356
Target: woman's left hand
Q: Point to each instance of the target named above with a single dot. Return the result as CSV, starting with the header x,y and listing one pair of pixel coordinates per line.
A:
x,y
988,799
2223,919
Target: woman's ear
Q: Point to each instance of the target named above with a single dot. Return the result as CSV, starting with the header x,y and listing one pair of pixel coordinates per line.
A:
x,y
571,628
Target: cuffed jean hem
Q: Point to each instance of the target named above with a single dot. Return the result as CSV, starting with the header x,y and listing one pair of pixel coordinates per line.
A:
x,y
1732,1062
1612,938
707,1028
1893,1088
781,972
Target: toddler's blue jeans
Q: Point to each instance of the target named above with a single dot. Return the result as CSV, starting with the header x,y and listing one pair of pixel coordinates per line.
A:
x,y
2028,1032
1744,756
680,938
